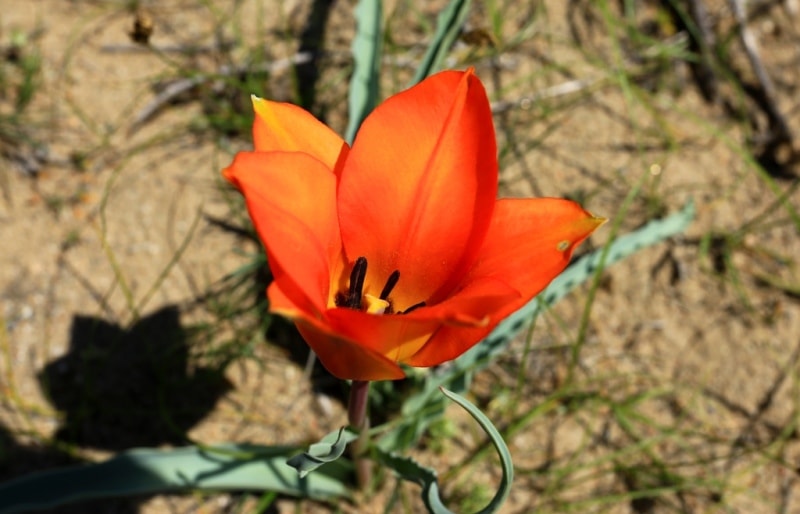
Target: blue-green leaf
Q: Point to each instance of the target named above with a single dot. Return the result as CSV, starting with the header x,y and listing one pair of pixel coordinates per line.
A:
x,y
448,27
364,84
149,471
330,448
410,470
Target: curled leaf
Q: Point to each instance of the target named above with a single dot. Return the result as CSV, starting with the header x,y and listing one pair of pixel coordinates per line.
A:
x,y
409,469
330,448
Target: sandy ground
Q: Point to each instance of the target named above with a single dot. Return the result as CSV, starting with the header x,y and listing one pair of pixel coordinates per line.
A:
x,y
89,256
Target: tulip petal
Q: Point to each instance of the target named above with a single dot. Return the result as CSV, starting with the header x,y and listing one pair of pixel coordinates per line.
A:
x,y
283,127
471,306
419,185
344,358
399,336
287,300
530,241
450,342
291,200
396,337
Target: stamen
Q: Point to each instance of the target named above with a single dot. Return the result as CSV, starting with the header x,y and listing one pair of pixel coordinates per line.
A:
x,y
357,277
356,299
390,283
413,307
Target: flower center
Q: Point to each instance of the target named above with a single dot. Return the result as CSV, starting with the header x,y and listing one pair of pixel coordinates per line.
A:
x,y
354,297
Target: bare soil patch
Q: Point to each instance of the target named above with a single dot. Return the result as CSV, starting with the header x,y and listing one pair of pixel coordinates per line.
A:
x,y
116,248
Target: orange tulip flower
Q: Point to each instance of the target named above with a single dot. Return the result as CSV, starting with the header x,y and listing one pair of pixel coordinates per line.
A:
x,y
396,251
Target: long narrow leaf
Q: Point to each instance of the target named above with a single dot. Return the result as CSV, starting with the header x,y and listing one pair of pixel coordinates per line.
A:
x,y
448,27
410,470
148,471
364,90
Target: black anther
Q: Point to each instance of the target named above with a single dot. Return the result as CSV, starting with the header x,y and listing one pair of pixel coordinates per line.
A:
x,y
357,277
390,283
414,307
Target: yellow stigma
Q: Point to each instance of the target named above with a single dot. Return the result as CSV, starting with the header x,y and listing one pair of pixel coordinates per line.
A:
x,y
375,305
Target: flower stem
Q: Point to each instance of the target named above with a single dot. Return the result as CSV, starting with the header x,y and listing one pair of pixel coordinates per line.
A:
x,y
357,416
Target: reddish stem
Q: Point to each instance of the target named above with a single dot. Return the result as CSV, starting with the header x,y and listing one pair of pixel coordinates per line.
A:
x,y
357,416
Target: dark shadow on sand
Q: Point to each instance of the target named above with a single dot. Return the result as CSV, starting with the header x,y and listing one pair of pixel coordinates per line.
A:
x,y
121,388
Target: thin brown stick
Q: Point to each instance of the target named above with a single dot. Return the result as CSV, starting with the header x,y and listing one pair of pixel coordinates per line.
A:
x,y
706,41
565,88
178,87
782,132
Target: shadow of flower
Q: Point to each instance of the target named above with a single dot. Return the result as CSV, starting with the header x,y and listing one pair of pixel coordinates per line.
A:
x,y
122,388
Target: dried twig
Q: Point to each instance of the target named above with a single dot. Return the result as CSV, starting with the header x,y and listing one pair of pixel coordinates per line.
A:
x,y
180,86
781,133
705,40
130,48
565,88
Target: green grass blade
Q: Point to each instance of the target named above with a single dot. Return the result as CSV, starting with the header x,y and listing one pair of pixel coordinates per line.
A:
x,y
364,84
149,471
448,27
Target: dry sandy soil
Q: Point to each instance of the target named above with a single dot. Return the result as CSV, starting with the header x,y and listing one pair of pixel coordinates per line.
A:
x,y
97,207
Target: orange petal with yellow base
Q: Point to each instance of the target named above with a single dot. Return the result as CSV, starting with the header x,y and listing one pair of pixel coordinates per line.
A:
x,y
530,241
419,186
291,199
283,127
